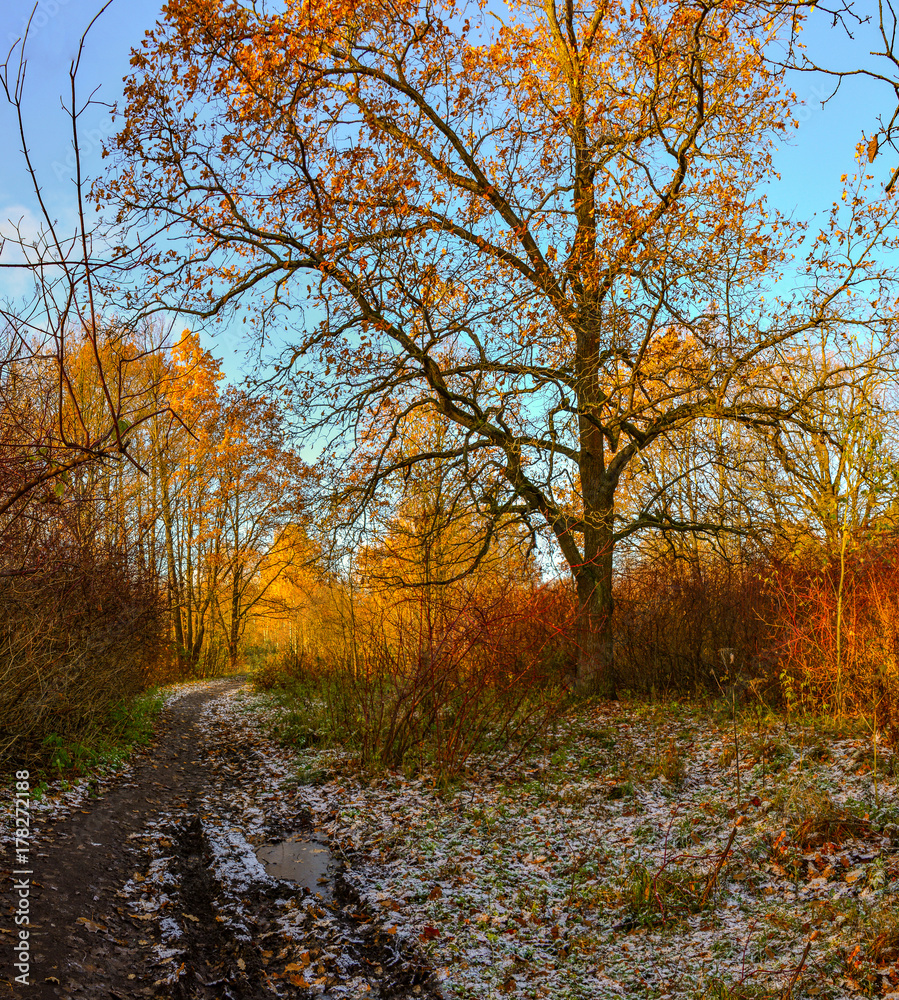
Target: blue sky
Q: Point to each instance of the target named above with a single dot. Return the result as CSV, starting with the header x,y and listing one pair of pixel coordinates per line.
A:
x,y
822,148
53,43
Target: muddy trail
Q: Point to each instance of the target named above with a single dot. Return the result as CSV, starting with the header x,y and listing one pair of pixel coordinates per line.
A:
x,y
198,874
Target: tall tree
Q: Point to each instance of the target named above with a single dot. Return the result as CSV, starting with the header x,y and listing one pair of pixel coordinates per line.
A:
x,y
258,498
544,227
224,484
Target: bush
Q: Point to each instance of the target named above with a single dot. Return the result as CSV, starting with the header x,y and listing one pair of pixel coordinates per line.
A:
x,y
677,622
78,639
835,625
432,679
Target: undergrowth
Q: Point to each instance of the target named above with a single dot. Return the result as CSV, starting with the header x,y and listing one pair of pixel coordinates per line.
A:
x,y
425,682
385,724
108,742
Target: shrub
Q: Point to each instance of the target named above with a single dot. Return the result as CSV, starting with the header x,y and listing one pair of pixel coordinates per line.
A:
x,y
78,639
434,678
674,620
835,622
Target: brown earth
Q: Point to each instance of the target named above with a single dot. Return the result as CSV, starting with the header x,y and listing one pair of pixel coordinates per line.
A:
x,y
89,939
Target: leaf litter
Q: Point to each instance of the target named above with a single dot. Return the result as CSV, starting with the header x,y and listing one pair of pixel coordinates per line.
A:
x,y
621,863
624,864
248,933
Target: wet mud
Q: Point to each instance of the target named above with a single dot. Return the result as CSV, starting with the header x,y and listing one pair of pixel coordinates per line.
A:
x,y
181,881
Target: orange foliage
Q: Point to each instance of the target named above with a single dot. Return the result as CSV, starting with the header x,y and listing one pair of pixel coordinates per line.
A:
x,y
545,228
836,632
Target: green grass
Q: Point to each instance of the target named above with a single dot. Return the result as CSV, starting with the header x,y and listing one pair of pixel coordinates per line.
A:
x,y
107,744
304,720
653,898
723,989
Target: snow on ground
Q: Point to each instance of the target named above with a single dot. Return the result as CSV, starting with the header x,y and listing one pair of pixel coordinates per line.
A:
x,y
204,862
175,692
527,881
234,816
596,869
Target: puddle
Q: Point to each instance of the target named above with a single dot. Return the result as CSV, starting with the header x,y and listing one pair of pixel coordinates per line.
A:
x,y
302,861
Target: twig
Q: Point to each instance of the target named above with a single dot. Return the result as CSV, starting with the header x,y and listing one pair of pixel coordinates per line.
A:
x,y
788,990
714,876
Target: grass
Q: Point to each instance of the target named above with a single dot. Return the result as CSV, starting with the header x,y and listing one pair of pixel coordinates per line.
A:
x,y
768,753
669,763
828,824
587,753
623,790
652,898
106,745
880,935
672,891
641,870
814,820
313,776
664,758
393,722
718,988
689,831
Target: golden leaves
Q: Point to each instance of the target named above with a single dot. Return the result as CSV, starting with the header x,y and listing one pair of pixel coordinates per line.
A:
x,y
872,149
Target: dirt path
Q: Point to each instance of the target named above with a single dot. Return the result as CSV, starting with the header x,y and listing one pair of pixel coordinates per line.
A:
x,y
155,889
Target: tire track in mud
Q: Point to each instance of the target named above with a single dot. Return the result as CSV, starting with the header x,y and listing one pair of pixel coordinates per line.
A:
x,y
154,890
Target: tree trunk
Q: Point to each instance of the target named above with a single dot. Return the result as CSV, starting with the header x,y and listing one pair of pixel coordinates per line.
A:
x,y
596,654
234,625
593,580
197,647
593,574
172,566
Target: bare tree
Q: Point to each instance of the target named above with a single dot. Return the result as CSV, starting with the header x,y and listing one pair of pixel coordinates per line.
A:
x,y
63,325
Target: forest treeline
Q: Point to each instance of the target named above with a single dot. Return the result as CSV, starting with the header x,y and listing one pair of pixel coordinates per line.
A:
x,y
584,411
128,568
202,548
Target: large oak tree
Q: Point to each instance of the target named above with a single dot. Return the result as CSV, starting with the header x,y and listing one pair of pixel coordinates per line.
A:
x,y
542,226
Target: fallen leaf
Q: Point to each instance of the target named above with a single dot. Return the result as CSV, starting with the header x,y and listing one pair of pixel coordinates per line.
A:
x,y
90,925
